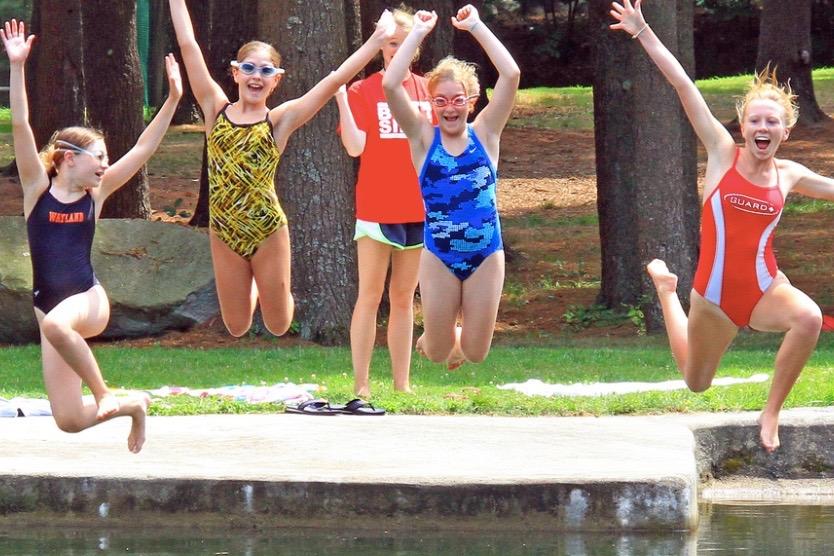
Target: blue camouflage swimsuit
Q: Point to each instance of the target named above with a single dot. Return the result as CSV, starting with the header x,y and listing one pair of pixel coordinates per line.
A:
x,y
462,227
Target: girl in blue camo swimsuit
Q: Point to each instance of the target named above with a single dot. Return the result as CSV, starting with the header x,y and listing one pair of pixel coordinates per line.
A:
x,y
462,265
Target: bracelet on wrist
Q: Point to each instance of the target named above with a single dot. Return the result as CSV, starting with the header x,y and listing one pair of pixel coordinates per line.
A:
x,y
474,26
637,34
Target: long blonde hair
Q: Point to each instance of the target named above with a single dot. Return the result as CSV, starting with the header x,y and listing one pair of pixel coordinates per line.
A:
x,y
52,155
765,86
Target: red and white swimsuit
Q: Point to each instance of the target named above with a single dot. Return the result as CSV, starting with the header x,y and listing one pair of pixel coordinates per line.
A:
x,y
737,264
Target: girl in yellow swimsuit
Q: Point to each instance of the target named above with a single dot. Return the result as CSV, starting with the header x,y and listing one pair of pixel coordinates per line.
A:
x,y
250,244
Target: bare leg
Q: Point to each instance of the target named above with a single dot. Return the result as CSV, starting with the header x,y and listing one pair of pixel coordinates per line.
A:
x,y
405,265
65,327
373,259
783,308
271,269
481,296
63,381
440,292
698,341
236,289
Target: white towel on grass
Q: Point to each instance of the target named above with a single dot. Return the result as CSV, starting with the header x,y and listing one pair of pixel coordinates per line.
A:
x,y
24,407
535,387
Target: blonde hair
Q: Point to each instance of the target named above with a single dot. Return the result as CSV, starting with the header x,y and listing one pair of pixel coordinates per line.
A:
x,y
52,154
452,69
253,46
765,86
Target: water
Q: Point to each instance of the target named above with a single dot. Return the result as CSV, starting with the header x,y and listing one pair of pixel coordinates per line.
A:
x,y
725,529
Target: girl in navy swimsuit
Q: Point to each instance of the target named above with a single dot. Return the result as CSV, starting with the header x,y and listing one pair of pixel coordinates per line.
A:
x,y
462,265
63,191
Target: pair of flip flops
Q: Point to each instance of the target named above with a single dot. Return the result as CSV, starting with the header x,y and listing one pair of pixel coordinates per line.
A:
x,y
323,407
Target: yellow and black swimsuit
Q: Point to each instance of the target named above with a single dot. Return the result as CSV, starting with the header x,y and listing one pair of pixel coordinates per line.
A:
x,y
243,206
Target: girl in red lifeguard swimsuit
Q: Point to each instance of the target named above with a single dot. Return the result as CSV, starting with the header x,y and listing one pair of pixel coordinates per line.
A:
x,y
737,282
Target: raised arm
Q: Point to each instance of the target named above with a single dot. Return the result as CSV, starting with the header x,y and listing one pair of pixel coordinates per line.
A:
x,y
493,118
123,169
294,113
416,127
716,139
33,178
353,138
209,94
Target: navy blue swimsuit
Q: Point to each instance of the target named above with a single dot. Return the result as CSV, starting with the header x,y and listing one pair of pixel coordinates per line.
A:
x,y
462,227
60,241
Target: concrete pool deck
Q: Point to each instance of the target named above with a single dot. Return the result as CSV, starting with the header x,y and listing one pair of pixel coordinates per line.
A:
x,y
551,473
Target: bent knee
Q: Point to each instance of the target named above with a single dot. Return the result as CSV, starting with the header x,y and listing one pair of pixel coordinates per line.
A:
x,y
237,328
68,423
278,327
437,354
54,330
809,321
477,355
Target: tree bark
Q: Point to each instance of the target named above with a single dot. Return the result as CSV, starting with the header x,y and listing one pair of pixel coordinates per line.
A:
x,y
315,180
785,43
646,184
56,82
115,95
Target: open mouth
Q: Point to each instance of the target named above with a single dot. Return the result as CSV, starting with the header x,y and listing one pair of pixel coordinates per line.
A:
x,y
762,143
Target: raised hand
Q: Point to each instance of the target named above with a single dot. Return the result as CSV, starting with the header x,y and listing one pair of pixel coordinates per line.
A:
x,y
467,18
424,21
16,42
385,26
629,18
172,68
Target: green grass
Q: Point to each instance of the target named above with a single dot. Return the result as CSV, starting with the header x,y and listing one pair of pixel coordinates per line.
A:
x,y
573,107
470,390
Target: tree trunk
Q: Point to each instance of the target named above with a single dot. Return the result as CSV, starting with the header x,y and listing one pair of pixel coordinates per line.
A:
x,y
646,184
56,82
161,43
315,180
785,43
115,95
188,112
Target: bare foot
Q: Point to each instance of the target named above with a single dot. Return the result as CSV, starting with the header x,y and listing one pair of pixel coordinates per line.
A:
x,y
363,393
769,433
137,407
108,406
456,358
664,281
418,347
405,389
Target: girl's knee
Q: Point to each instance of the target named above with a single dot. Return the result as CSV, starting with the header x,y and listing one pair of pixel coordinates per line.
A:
x,y
437,353
68,422
809,321
401,299
698,381
278,325
237,327
476,354
54,330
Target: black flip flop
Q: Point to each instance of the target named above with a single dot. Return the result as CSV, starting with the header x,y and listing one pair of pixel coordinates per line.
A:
x,y
357,407
311,407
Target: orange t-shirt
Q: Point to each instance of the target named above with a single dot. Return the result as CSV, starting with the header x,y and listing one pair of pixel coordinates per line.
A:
x,y
387,190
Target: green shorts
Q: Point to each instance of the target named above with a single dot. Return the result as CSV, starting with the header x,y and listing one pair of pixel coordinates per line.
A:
x,y
398,236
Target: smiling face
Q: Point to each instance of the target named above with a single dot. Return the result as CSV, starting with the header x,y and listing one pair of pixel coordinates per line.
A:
x,y
763,127
451,118
256,88
86,167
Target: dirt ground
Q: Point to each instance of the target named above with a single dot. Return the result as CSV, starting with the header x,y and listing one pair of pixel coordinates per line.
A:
x,y
546,177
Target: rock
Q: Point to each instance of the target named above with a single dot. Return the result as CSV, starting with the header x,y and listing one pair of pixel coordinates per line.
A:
x,y
158,277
